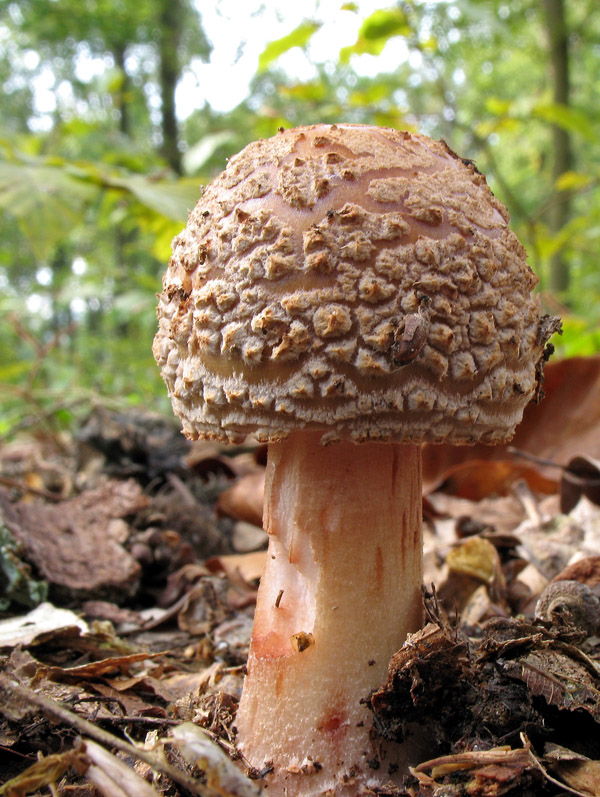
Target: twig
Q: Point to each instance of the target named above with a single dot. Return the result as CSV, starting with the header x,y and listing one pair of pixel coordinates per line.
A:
x,y
8,482
126,719
525,495
86,728
516,452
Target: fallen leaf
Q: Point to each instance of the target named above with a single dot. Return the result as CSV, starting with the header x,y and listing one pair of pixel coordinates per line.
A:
x,y
243,568
480,773
565,424
45,618
232,638
469,564
464,690
111,776
179,582
204,606
247,537
574,769
45,773
184,684
104,610
244,500
475,557
223,778
586,570
149,684
96,669
561,676
130,704
477,479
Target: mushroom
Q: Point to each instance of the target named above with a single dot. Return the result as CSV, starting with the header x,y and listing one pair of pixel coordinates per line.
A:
x,y
344,293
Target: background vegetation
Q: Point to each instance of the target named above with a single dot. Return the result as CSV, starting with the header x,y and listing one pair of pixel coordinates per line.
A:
x,y
98,170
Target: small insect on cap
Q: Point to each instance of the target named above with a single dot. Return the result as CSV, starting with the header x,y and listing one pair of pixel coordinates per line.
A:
x,y
355,280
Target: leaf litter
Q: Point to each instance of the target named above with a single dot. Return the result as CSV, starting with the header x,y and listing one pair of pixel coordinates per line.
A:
x,y
128,573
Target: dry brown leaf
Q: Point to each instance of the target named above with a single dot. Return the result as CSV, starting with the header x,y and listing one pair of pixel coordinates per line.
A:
x,y
477,479
179,582
585,570
148,684
502,514
116,701
480,773
465,690
243,569
44,773
469,564
559,674
184,684
96,669
565,424
204,606
244,501
205,457
577,771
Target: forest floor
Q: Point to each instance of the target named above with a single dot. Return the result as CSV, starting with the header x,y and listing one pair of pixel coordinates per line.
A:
x,y
129,563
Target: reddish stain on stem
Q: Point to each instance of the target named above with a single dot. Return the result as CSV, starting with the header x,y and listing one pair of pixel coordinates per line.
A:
x,y
379,569
334,724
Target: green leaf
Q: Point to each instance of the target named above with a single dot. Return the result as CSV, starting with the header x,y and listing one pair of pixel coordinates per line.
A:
x,y
49,199
171,199
498,106
46,201
197,156
385,23
299,37
375,32
14,371
573,120
573,181
580,338
314,91
16,583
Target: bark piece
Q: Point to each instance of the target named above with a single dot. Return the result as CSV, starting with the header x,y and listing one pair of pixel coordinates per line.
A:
x,y
466,693
70,543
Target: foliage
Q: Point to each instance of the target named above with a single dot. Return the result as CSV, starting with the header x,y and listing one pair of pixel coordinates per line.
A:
x,y
94,182
16,584
297,38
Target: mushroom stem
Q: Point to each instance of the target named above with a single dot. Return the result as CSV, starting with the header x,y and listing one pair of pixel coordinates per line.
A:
x,y
340,592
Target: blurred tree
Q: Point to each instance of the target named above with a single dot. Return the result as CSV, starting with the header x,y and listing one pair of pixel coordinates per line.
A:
x,y
491,78
560,212
97,172
137,51
87,161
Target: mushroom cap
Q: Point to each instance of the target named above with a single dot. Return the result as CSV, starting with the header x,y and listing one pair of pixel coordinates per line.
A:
x,y
358,280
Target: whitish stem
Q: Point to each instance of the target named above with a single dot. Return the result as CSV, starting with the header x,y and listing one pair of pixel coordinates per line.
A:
x,y
340,592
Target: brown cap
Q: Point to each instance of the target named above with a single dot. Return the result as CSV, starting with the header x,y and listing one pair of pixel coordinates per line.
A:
x,y
353,279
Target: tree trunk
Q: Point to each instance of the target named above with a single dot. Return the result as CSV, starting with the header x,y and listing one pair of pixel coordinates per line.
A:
x,y
170,36
559,213
124,118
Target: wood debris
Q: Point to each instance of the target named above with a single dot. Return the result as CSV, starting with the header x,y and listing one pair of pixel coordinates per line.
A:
x,y
149,592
